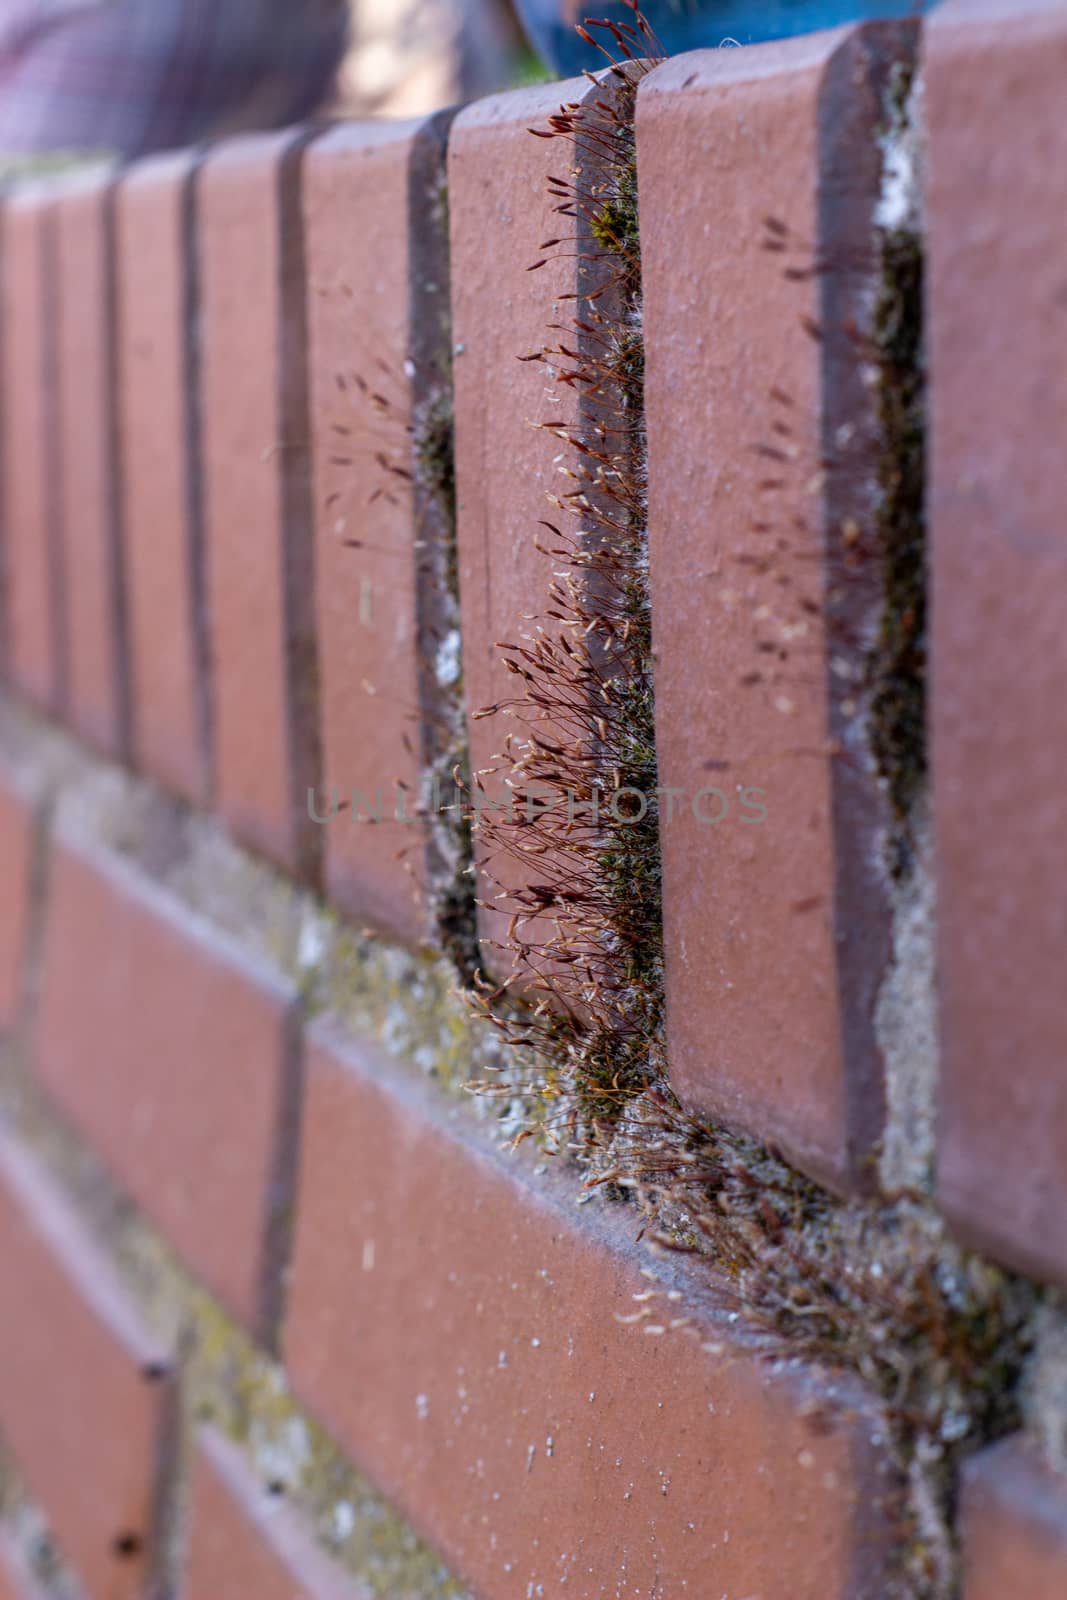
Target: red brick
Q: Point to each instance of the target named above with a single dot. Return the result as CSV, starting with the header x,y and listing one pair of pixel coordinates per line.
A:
x,y
86,432
257,500
533,1438
506,468
247,1542
16,860
34,643
998,359
176,1056
1014,1525
81,1405
770,1010
377,310
11,1585
16,1583
158,448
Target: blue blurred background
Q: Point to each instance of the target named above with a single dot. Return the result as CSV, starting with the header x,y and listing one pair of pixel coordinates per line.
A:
x,y
692,24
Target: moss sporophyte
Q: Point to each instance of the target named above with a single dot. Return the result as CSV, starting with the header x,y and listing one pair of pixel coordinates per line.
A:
x,y
876,1286
575,987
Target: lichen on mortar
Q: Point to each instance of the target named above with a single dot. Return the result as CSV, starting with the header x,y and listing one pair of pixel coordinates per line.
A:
x,y
227,1381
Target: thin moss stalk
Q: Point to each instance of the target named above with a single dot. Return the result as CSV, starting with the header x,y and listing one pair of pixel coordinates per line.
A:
x,y
877,1287
583,714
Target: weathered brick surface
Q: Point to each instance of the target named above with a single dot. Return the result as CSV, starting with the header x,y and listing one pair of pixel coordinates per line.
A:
x,y
33,629
176,1057
257,493
506,468
246,1542
541,1444
16,855
159,479
770,1006
999,574
556,1410
1014,1526
79,1407
377,304
85,423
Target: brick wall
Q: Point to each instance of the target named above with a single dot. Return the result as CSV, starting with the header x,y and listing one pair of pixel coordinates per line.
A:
x,y
740,1275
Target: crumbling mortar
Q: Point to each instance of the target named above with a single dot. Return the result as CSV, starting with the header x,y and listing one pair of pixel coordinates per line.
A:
x,y
1045,1385
31,1538
226,1381
906,1019
906,1023
405,1000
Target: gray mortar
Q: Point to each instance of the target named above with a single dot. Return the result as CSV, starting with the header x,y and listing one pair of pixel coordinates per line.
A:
x,y
404,1001
27,1529
906,1013
1045,1397
906,1026
408,1002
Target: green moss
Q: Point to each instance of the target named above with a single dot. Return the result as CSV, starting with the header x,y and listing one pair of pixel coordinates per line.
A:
x,y
630,864
615,224
528,69
39,166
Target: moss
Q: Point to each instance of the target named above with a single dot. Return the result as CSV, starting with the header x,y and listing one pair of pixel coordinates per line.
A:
x,y
878,1288
599,1042
528,69
39,166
